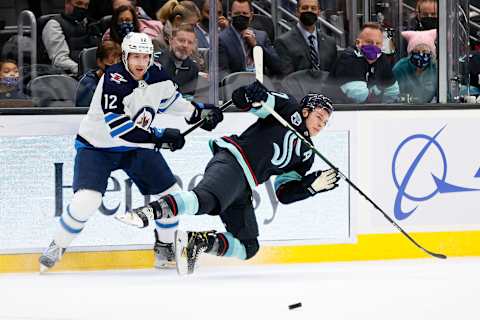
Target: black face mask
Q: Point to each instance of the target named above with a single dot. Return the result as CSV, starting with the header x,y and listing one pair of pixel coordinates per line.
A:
x,y
428,23
205,24
79,13
308,18
240,22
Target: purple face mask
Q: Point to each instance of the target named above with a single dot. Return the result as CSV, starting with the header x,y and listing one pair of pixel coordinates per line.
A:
x,y
370,51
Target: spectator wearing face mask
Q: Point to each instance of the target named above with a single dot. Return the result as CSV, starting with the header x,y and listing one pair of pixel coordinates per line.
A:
x,y
9,77
235,43
362,74
417,73
305,46
108,53
177,61
124,20
152,28
65,36
426,16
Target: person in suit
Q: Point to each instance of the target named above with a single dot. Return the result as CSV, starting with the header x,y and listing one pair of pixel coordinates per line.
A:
x,y
236,43
305,46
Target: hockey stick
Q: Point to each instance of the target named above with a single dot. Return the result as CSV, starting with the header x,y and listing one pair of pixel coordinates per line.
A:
x,y
311,147
223,107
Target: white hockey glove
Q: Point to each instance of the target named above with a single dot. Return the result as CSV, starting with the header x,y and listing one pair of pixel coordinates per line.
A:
x,y
321,181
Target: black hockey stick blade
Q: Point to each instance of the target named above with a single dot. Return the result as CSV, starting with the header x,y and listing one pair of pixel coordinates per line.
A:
x,y
223,107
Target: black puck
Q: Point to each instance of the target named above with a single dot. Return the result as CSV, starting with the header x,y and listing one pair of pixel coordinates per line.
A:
x,y
295,305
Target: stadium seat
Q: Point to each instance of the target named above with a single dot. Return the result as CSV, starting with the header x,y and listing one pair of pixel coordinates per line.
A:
x,y
302,82
88,60
238,79
53,90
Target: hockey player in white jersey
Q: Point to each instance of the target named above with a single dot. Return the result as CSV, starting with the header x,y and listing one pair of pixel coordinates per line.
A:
x,y
116,134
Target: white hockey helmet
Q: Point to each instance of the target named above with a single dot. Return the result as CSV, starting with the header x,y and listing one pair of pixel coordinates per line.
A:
x,y
136,42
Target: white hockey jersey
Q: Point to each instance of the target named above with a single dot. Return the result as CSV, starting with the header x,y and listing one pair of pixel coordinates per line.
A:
x,y
122,109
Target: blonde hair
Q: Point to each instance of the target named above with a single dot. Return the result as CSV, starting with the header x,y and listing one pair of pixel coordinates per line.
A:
x,y
172,9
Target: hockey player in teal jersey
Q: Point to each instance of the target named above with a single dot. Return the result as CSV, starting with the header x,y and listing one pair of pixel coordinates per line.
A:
x,y
116,134
239,164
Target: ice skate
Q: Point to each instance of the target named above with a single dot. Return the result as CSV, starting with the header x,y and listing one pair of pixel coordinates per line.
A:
x,y
164,254
137,217
189,245
50,256
141,216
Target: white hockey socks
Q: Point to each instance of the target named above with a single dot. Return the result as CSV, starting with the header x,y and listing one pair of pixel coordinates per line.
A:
x,y
84,204
166,227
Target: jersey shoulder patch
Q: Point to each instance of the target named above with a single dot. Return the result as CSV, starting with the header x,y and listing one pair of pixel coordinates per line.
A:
x,y
117,78
117,81
296,118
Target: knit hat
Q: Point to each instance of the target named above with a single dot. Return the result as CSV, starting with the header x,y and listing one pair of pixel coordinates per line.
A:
x,y
415,38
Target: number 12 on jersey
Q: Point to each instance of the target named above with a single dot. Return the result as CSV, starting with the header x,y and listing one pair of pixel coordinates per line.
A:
x,y
110,101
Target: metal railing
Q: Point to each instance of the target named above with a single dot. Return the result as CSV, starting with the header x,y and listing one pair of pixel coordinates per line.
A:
x,y
20,44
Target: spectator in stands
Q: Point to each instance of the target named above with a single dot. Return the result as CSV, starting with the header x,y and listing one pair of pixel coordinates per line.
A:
x,y
306,46
235,43
152,28
174,13
202,27
417,73
9,77
108,53
426,16
140,12
124,20
362,74
177,61
65,36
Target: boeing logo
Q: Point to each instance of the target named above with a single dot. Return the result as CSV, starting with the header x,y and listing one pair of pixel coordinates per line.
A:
x,y
441,185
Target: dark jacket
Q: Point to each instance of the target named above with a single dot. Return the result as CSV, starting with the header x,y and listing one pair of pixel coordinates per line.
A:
x,y
77,35
353,79
231,58
86,88
202,38
185,75
294,51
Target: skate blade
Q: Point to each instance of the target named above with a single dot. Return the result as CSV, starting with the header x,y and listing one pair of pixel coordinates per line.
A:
x,y
181,242
43,269
165,265
129,219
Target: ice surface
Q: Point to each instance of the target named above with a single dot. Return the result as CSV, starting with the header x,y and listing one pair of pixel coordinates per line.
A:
x,y
407,290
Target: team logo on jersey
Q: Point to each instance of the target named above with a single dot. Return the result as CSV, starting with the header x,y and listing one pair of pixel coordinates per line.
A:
x,y
117,78
282,157
142,84
144,117
296,119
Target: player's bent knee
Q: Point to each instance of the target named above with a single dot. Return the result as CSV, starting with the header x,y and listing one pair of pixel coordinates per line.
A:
x,y
251,247
85,202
